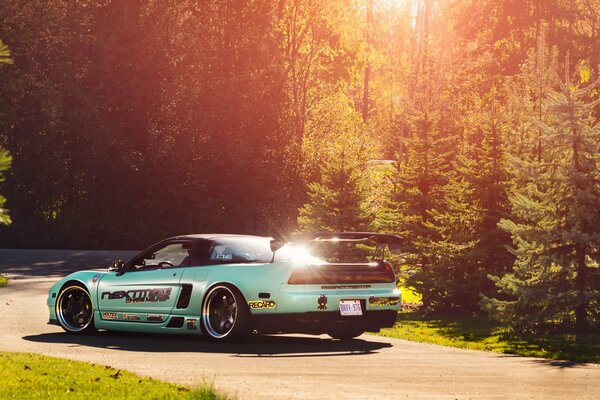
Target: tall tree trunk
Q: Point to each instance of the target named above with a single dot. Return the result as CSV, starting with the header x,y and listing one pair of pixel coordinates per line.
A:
x,y
369,34
580,280
540,72
416,63
365,101
426,58
581,268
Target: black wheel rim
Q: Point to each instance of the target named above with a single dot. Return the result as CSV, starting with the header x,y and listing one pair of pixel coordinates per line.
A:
x,y
219,313
74,309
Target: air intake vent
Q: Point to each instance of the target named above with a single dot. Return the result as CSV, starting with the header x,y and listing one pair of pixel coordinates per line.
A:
x,y
175,322
184,296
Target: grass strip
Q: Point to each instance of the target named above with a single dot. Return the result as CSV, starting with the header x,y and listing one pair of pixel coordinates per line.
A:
x,y
410,295
33,376
467,332
3,281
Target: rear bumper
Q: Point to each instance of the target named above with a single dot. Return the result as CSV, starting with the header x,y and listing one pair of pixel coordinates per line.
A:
x,y
322,322
300,299
315,309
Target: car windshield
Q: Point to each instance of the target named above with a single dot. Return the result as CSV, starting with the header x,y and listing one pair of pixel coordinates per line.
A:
x,y
245,250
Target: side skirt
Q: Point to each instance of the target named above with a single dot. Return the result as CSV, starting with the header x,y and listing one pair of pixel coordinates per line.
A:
x,y
168,324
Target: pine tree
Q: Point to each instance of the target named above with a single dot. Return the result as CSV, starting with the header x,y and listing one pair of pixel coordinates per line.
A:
x,y
421,182
468,245
338,202
555,224
385,193
337,147
423,175
529,94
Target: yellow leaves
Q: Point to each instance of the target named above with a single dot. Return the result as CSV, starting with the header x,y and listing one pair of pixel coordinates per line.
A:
x,y
5,57
584,72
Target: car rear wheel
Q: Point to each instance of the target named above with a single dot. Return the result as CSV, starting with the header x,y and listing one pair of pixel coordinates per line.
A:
x,y
225,315
74,310
345,333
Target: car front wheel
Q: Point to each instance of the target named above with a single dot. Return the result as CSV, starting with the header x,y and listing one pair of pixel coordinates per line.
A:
x,y
225,315
74,309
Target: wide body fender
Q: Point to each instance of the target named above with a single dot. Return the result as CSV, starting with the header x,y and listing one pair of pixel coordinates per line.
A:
x,y
89,279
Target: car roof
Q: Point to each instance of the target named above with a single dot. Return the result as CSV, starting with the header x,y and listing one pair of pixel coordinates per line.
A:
x,y
215,236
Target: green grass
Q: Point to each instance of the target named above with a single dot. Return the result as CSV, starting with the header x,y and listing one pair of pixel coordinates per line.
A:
x,y
469,332
33,376
3,281
410,295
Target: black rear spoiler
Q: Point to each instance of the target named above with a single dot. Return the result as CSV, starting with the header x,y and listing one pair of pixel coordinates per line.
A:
x,y
379,238
382,240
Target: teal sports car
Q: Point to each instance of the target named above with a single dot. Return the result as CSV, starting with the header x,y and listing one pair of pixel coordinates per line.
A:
x,y
227,286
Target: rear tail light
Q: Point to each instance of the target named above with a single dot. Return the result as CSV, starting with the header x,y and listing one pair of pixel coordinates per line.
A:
x,y
378,272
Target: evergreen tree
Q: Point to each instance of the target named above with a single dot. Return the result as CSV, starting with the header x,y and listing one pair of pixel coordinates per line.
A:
x,y
336,150
422,178
385,191
338,200
468,245
424,173
529,93
555,224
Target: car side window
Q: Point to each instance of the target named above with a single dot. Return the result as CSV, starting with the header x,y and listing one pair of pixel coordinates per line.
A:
x,y
168,256
240,250
220,252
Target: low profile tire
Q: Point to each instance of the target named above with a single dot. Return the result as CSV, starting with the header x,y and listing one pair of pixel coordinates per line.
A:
x,y
225,315
74,309
345,334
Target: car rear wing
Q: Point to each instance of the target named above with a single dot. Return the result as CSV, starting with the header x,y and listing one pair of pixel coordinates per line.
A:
x,y
379,238
382,240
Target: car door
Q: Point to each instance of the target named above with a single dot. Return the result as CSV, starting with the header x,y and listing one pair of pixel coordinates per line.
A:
x,y
148,287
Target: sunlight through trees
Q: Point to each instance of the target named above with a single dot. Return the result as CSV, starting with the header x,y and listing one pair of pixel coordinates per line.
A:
x,y
441,121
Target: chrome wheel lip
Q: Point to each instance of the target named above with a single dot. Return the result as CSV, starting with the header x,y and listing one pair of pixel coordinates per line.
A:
x,y
64,322
209,309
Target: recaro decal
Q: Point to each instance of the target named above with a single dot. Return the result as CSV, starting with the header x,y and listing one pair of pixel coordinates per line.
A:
x,y
258,304
139,295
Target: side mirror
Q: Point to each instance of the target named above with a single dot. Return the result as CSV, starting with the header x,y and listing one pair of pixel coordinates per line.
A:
x,y
116,266
276,244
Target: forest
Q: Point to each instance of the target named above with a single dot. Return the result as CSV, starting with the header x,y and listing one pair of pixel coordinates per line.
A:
x,y
468,127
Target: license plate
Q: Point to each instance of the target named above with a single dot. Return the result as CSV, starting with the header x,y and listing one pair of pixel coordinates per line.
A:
x,y
350,307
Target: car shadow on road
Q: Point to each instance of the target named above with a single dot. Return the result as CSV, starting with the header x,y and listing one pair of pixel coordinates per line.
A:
x,y
560,364
258,346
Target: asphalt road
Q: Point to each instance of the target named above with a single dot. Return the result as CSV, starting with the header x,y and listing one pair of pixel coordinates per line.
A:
x,y
276,367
